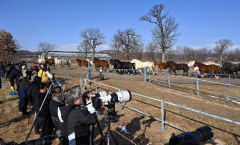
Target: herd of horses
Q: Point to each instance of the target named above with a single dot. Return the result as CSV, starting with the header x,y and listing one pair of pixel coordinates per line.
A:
x,y
131,67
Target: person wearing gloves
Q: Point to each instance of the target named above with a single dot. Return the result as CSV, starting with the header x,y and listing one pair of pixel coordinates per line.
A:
x,y
13,75
75,121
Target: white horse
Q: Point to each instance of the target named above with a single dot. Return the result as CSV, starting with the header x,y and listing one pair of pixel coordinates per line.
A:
x,y
57,62
41,60
140,65
66,62
212,63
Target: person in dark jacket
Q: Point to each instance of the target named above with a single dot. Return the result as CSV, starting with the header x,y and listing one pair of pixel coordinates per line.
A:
x,y
24,94
13,75
2,69
34,90
29,72
44,115
75,121
8,68
57,101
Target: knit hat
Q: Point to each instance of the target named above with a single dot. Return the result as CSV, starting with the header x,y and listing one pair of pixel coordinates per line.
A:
x,y
35,67
23,67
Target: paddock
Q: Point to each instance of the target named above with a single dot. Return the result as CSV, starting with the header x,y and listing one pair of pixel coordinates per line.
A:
x,y
143,129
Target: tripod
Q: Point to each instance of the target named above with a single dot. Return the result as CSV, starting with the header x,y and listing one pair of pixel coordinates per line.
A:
x,y
108,135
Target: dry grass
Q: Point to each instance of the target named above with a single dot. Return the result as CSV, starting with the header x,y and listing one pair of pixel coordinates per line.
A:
x,y
142,129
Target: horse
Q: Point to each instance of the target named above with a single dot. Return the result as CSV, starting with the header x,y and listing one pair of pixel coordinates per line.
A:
x,y
230,68
173,67
41,60
122,65
82,63
207,68
66,62
140,65
57,62
49,61
161,65
113,62
100,63
91,62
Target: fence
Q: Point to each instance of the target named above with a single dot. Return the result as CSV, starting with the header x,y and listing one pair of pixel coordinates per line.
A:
x,y
196,81
167,79
162,107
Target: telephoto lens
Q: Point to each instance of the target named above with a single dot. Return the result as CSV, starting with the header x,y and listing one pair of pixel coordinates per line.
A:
x,y
201,134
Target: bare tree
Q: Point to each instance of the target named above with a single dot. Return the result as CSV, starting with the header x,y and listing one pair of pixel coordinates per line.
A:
x,y
94,37
129,39
189,53
151,48
222,45
84,47
45,47
116,44
138,51
7,45
165,33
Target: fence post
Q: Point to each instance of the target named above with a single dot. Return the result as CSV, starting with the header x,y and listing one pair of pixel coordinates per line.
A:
x,y
81,83
197,84
165,78
229,80
68,71
162,115
96,87
145,74
169,81
149,76
89,71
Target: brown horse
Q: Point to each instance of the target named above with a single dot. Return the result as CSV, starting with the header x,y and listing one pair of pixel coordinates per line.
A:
x,y
161,65
100,63
82,63
207,68
49,61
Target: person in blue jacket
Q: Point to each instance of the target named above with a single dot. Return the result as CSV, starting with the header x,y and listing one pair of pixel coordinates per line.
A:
x,y
24,94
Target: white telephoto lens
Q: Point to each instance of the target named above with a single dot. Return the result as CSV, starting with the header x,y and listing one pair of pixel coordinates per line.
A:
x,y
123,96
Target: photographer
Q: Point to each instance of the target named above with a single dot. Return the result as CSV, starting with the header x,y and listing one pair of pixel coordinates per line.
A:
x,y
75,120
57,101
13,75
44,116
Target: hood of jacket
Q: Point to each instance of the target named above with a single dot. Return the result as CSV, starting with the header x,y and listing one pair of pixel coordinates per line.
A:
x,y
64,111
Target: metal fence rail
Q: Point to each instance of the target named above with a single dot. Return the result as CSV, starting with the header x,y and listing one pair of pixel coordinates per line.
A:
x,y
162,102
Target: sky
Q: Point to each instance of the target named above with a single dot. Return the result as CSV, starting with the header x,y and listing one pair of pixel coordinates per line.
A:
x,y
201,22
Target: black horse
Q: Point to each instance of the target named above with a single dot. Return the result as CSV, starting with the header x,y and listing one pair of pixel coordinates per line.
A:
x,y
117,64
229,68
175,67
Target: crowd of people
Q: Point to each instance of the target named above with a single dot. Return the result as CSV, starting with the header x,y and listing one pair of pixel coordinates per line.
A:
x,y
56,112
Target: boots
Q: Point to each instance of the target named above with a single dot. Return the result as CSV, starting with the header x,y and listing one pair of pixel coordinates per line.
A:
x,y
12,88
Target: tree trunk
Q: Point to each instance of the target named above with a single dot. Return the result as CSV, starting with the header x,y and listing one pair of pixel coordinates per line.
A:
x,y
163,56
93,47
221,57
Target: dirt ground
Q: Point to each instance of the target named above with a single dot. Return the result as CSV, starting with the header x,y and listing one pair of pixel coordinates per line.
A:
x,y
141,129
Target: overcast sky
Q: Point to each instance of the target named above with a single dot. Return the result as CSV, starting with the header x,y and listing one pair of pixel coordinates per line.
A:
x,y
201,22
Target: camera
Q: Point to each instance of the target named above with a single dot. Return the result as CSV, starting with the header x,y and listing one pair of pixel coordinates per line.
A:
x,y
53,80
201,134
103,97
